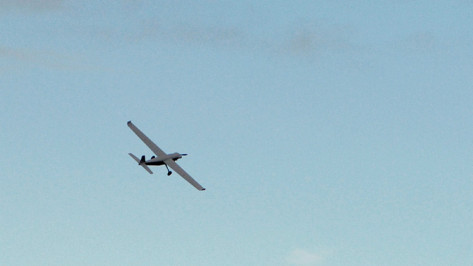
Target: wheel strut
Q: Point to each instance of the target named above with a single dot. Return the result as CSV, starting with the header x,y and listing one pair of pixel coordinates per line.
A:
x,y
169,172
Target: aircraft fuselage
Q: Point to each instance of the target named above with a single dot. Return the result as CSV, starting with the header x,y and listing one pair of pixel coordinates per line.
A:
x,y
160,159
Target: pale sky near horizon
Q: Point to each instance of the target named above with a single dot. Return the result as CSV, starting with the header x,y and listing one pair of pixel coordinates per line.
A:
x,y
326,132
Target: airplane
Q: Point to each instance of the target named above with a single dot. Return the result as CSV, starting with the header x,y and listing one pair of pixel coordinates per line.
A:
x,y
161,158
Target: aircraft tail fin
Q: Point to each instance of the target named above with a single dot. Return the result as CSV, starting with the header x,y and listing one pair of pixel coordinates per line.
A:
x,y
141,162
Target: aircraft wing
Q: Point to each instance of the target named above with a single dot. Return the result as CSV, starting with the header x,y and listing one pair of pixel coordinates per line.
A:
x,y
146,140
174,166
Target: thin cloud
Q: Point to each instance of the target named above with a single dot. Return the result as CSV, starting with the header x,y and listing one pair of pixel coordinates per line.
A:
x,y
425,43
420,41
181,33
307,39
301,257
43,59
33,5
298,40
17,54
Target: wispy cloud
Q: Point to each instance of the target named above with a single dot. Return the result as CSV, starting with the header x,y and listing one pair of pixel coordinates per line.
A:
x,y
426,44
34,5
12,53
43,59
182,33
302,257
297,40
420,41
306,39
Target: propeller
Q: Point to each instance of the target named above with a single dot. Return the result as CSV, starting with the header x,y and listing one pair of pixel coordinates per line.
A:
x,y
184,154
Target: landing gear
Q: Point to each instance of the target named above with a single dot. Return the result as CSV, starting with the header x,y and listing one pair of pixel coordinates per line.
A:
x,y
169,172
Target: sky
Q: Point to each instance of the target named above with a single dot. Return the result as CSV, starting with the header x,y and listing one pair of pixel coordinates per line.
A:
x,y
325,132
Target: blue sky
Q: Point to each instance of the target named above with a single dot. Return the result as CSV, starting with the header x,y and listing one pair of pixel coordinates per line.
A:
x,y
325,132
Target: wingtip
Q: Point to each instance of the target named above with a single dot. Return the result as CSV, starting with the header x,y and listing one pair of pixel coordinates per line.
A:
x,y
128,123
203,189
